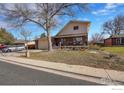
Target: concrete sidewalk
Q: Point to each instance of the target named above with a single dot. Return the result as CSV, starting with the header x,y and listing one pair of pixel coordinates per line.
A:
x,y
82,70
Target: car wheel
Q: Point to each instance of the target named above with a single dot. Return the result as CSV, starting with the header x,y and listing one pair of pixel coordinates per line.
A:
x,y
9,50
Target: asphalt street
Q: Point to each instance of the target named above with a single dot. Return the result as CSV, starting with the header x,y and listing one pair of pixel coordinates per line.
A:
x,y
11,74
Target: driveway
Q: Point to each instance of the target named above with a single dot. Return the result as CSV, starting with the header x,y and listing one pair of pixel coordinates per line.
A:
x,y
19,53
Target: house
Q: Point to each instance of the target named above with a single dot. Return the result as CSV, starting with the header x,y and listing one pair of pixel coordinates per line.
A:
x,y
74,33
31,44
115,40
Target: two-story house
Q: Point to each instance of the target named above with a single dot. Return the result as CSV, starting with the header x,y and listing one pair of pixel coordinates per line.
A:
x,y
74,33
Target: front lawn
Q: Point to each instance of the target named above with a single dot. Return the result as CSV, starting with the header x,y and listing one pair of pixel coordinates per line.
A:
x,y
115,50
87,58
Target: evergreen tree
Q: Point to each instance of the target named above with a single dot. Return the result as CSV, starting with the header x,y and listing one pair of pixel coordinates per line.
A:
x,y
6,37
42,35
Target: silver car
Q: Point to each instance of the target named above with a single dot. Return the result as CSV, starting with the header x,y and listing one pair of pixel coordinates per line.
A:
x,y
9,49
20,48
13,48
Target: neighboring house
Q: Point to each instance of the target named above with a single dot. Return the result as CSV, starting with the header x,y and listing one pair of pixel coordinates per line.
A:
x,y
75,33
31,44
115,40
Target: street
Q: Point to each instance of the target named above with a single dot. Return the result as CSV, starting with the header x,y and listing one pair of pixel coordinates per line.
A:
x,y
16,75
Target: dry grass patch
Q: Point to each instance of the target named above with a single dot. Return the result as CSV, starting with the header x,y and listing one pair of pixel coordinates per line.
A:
x,y
87,58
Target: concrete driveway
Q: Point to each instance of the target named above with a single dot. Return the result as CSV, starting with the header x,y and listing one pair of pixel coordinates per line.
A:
x,y
19,53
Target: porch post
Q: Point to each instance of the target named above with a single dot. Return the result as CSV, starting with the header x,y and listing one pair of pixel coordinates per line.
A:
x,y
120,41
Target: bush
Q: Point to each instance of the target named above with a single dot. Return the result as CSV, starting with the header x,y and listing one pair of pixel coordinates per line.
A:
x,y
94,47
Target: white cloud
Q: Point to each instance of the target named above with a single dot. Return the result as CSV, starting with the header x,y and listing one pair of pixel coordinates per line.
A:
x,y
108,8
3,24
100,12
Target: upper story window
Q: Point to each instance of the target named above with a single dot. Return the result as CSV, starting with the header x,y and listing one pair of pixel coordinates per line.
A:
x,y
76,28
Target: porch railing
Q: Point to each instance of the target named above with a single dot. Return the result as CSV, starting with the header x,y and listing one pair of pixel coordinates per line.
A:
x,y
74,47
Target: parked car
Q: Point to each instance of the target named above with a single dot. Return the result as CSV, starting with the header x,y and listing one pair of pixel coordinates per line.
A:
x,y
13,48
19,48
9,49
2,46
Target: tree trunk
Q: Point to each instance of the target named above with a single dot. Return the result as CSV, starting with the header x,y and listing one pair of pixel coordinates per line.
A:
x,y
27,52
49,42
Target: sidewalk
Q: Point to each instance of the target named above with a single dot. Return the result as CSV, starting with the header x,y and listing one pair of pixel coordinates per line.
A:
x,y
82,70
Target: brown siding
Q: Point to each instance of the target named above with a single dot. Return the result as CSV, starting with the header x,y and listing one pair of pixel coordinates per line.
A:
x,y
70,37
114,41
108,42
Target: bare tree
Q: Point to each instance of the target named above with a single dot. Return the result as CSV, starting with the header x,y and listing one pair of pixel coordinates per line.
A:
x,y
97,38
44,15
115,26
119,24
26,34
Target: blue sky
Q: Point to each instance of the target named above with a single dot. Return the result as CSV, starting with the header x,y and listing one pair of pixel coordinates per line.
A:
x,y
97,14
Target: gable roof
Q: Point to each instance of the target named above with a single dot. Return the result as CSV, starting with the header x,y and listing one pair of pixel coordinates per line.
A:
x,y
72,21
121,35
115,36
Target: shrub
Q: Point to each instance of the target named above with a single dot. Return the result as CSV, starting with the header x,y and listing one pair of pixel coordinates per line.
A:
x,y
94,47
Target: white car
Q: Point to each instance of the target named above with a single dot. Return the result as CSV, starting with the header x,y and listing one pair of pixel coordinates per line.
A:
x,y
9,49
19,48
13,48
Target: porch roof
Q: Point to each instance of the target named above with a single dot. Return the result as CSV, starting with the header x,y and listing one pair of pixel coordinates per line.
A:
x,y
70,35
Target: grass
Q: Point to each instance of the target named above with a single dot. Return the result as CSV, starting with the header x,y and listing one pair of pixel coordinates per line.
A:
x,y
115,50
86,58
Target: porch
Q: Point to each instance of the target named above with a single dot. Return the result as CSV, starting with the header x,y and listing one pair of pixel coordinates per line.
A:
x,y
71,41
118,41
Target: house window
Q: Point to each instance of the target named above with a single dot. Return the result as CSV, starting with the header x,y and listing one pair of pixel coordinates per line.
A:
x,y
75,27
118,41
122,41
78,40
